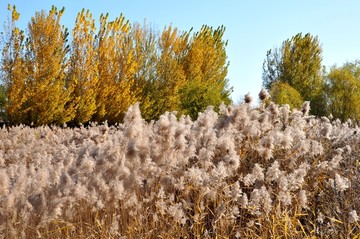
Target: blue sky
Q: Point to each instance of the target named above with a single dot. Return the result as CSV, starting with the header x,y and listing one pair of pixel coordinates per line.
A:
x,y
252,27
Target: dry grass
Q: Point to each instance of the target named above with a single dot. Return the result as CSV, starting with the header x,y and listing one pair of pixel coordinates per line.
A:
x,y
243,173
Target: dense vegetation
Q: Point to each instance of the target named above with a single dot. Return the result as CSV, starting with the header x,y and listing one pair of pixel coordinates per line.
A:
x,y
247,172
51,77
293,73
101,72
274,170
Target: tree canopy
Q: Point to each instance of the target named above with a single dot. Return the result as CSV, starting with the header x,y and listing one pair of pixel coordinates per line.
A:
x,y
343,91
35,71
97,73
102,72
298,63
205,68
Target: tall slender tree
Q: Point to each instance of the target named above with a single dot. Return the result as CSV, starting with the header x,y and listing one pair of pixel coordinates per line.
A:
x,y
13,69
36,84
298,63
46,59
84,66
145,54
116,70
205,67
170,74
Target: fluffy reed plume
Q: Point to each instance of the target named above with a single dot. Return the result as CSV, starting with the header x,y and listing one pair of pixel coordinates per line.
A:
x,y
241,173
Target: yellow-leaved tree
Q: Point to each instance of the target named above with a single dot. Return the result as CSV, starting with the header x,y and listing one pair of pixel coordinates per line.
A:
x,y
13,69
84,66
116,89
39,94
170,74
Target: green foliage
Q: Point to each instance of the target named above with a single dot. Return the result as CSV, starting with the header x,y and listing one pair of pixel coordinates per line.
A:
x,y
196,97
2,103
343,91
145,54
205,68
298,63
282,93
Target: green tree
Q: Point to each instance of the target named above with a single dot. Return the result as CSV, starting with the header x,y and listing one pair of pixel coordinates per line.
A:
x,y
282,93
343,91
205,67
198,96
2,103
298,63
145,54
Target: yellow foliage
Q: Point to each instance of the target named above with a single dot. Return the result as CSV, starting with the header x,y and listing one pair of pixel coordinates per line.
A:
x,y
36,86
108,70
170,74
84,65
116,70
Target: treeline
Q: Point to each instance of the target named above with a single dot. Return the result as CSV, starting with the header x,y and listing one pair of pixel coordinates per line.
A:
x,y
294,73
97,72
50,75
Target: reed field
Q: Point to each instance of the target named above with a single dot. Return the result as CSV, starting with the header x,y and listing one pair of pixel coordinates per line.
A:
x,y
242,172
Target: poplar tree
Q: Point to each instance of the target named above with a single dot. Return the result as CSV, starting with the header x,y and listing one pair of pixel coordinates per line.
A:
x,y
205,67
48,99
84,66
298,63
37,91
170,75
13,69
116,70
145,54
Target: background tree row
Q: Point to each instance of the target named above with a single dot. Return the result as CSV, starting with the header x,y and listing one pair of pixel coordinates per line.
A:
x,y
98,69
294,73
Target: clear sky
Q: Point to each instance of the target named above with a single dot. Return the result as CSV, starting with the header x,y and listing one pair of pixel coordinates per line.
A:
x,y
252,26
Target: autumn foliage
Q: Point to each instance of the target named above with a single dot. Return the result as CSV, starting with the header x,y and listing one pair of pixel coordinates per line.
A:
x,y
96,71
